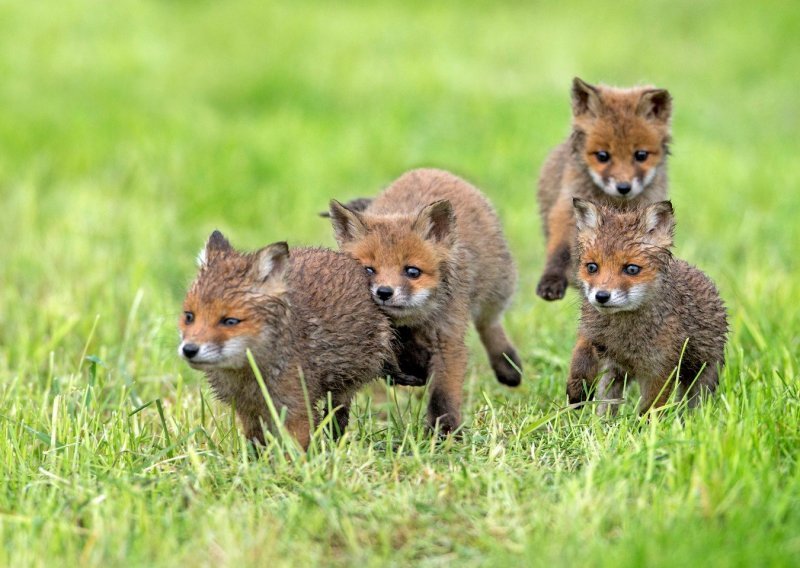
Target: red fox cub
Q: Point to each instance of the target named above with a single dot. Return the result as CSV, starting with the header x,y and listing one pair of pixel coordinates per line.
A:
x,y
308,314
616,155
436,258
644,313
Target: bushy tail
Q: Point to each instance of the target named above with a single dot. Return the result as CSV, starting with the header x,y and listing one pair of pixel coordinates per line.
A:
x,y
356,205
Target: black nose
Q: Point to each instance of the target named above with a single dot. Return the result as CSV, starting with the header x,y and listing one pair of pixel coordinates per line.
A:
x,y
190,350
602,296
623,188
384,292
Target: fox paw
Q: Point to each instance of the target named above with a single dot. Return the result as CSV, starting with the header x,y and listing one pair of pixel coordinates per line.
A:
x,y
446,426
576,392
508,372
552,286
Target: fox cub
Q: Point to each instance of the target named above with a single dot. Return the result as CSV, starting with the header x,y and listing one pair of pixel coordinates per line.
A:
x,y
616,155
436,257
306,315
644,313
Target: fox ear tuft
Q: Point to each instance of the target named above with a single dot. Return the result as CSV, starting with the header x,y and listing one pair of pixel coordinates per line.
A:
x,y
587,216
271,261
585,98
655,104
347,224
659,221
215,245
436,222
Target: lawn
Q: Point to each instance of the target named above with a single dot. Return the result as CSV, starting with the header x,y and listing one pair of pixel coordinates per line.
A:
x,y
130,130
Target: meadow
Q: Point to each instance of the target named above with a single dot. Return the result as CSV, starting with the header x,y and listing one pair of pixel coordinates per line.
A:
x,y
130,130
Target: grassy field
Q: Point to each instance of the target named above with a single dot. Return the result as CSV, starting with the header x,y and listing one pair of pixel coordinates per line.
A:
x,y
129,130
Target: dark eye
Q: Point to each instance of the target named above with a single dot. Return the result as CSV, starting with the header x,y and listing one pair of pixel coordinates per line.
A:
x,y
369,270
602,156
632,269
412,272
188,317
640,155
591,268
230,322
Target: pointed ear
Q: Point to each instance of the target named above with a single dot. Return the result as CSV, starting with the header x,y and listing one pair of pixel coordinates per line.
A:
x,y
436,222
659,222
585,98
271,261
655,104
215,245
587,216
347,224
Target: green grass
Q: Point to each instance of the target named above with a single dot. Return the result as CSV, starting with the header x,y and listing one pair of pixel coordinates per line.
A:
x,y
130,130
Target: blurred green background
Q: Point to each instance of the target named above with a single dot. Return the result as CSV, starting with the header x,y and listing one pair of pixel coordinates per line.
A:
x,y
131,129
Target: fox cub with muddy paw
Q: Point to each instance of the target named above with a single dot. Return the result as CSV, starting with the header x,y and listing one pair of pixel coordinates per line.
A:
x,y
616,155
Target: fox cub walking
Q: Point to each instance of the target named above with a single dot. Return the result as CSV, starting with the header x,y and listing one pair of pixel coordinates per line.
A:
x,y
306,315
436,257
616,155
644,312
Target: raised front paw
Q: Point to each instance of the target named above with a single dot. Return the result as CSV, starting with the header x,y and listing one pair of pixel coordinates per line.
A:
x,y
552,286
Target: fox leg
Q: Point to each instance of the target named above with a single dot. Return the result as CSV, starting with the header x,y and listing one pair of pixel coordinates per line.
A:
x,y
655,393
583,370
700,386
340,406
449,369
504,359
299,426
410,366
560,226
252,428
609,387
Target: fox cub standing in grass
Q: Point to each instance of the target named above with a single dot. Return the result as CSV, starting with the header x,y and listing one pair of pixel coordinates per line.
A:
x,y
616,155
308,314
436,257
641,307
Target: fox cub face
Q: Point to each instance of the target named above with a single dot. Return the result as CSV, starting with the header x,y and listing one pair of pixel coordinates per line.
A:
x,y
402,254
622,254
621,135
234,304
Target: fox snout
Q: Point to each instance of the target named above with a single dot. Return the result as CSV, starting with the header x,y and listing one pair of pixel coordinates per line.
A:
x,y
384,292
387,294
198,353
609,300
602,296
228,354
626,188
189,350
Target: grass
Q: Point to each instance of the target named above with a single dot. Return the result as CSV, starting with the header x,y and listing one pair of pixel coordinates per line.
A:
x,y
131,130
